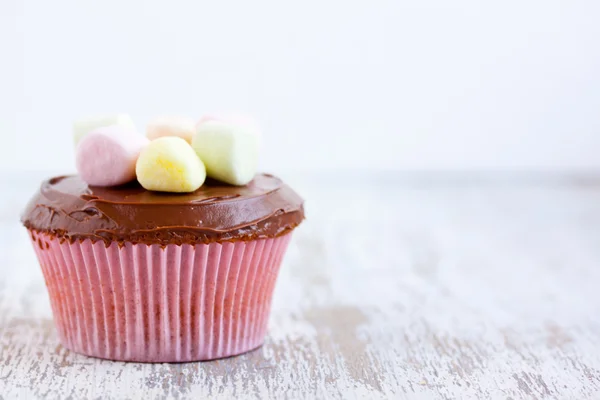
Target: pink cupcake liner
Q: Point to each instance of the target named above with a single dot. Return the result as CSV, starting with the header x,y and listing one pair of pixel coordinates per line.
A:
x,y
150,303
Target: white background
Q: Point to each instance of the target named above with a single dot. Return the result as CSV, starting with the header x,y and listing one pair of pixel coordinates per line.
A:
x,y
384,85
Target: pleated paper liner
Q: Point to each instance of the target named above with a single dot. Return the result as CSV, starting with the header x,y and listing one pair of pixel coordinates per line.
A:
x,y
149,303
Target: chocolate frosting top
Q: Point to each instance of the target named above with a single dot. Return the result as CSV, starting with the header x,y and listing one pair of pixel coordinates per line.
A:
x,y
70,209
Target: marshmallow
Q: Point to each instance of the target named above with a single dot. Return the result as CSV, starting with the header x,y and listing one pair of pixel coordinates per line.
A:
x,y
107,156
84,126
169,164
229,149
171,126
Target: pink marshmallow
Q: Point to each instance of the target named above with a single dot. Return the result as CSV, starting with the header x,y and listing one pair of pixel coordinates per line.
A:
x,y
107,156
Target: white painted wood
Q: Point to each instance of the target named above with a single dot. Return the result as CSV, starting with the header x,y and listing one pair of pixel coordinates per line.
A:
x,y
402,289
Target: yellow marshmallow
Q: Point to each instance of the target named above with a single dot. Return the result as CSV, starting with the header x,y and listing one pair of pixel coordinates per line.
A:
x,y
169,164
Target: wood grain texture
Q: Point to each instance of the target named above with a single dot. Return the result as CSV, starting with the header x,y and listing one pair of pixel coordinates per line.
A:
x,y
399,291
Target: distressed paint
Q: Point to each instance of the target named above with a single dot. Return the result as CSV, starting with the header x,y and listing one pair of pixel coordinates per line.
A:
x,y
425,291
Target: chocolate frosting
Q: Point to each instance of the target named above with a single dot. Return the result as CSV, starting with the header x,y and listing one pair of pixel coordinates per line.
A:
x,y
70,209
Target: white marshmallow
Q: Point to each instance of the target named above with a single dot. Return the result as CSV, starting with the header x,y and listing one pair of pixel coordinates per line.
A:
x,y
171,126
84,126
169,164
229,150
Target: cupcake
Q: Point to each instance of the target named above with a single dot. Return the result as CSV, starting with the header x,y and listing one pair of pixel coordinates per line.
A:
x,y
147,275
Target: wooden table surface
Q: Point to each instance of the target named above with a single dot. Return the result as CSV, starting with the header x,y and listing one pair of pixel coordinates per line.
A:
x,y
393,288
